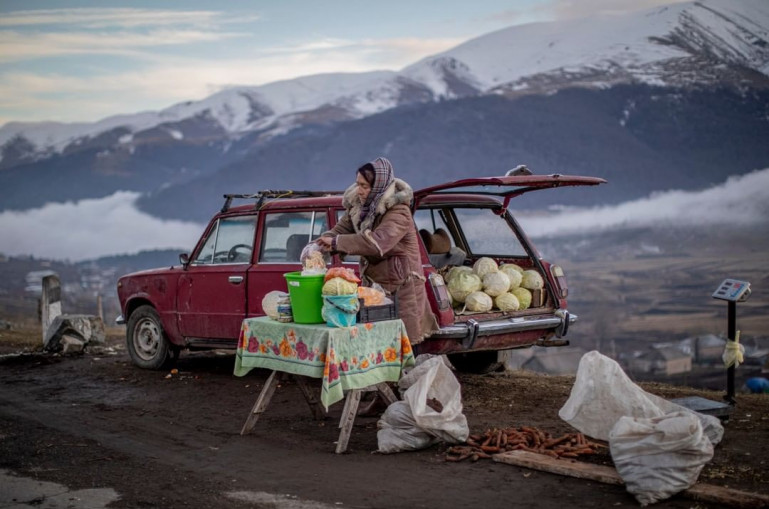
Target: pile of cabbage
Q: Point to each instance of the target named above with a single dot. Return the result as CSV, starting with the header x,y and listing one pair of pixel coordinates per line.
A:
x,y
486,286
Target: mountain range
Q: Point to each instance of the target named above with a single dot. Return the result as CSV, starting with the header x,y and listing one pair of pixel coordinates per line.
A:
x,y
675,97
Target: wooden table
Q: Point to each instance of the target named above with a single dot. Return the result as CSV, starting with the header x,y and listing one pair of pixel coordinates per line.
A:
x,y
349,360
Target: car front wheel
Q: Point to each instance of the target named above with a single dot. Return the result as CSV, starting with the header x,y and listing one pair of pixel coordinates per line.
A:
x,y
146,340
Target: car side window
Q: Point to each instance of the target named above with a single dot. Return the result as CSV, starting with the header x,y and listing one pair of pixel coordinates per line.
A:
x,y
286,233
231,240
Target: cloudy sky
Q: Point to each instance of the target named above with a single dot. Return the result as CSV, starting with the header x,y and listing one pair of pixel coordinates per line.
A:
x,y
85,60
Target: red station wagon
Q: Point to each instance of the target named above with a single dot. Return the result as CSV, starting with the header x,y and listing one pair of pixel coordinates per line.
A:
x,y
246,250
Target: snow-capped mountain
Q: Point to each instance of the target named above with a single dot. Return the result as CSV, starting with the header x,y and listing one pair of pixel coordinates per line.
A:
x,y
698,43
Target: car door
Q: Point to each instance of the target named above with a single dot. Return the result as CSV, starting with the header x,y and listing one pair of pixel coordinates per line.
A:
x,y
211,297
283,233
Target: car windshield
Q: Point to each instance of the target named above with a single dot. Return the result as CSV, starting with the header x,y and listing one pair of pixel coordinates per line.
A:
x,y
477,231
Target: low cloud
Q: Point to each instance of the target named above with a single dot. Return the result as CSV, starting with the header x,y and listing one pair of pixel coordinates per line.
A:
x,y
740,201
91,228
98,227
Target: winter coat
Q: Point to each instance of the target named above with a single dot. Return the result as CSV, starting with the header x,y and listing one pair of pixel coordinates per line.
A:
x,y
389,253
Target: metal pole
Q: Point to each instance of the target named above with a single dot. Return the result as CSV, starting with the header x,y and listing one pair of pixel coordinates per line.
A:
x,y
731,335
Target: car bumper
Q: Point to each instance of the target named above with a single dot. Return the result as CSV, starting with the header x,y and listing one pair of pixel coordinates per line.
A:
x,y
120,320
469,331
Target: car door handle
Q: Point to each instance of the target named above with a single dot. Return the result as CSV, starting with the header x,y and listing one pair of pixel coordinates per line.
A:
x,y
236,280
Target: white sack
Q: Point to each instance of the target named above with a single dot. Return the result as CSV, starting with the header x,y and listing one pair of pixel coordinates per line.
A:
x,y
398,430
661,456
411,424
603,393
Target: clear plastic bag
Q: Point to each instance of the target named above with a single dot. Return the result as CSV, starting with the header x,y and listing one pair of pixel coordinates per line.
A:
x,y
313,260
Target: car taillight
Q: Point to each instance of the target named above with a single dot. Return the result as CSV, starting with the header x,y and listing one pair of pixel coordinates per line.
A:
x,y
440,291
560,280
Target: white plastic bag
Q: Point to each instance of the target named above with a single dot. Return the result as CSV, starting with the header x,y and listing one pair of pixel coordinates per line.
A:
x,y
603,393
398,430
433,400
661,456
438,383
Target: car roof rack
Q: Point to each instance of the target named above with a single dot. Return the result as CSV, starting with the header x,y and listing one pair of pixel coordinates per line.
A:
x,y
268,193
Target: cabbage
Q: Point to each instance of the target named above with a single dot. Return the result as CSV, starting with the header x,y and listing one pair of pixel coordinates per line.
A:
x,y
532,280
515,275
339,286
524,297
453,271
463,284
270,303
496,283
484,265
507,302
511,266
478,301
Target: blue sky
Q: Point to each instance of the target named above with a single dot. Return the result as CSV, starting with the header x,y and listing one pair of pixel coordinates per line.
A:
x,y
75,61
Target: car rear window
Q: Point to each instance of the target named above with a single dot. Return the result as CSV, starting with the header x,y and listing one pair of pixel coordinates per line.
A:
x,y
478,231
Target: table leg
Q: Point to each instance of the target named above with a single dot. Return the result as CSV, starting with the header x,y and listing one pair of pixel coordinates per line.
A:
x,y
309,395
386,393
348,419
261,402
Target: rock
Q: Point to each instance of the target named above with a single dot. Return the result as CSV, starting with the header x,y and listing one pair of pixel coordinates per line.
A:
x,y
87,328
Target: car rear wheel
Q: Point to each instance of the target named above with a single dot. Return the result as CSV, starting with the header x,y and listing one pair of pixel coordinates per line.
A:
x,y
475,362
146,340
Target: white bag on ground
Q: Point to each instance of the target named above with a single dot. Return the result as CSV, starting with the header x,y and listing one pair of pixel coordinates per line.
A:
x,y
603,393
661,456
399,432
405,424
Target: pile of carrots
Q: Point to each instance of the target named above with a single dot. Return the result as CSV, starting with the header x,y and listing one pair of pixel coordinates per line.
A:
x,y
525,438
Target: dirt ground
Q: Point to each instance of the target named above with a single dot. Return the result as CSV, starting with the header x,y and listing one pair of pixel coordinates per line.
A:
x,y
163,439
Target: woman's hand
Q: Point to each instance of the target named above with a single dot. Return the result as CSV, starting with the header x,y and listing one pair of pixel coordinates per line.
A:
x,y
324,243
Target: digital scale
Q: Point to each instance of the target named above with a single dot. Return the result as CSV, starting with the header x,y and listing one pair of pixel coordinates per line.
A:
x,y
732,291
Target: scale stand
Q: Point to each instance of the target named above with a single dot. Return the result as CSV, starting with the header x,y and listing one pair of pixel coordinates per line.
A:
x,y
732,291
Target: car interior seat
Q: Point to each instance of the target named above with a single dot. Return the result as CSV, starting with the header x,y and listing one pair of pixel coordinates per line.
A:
x,y
294,246
439,249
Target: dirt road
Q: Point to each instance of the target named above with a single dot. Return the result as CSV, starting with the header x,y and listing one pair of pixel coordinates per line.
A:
x,y
173,440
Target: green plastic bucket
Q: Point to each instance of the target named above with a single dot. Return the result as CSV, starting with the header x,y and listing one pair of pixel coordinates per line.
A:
x,y
306,298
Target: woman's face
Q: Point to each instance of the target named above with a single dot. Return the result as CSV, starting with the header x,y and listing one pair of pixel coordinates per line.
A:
x,y
364,188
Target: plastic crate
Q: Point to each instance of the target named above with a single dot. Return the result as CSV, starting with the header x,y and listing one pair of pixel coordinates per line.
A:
x,y
377,313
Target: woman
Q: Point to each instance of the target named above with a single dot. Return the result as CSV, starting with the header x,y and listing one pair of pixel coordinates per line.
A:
x,y
379,227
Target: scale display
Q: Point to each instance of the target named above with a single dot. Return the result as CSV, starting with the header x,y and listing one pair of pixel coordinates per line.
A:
x,y
733,290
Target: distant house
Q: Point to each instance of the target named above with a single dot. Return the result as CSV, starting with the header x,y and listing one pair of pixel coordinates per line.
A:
x,y
555,361
663,361
708,349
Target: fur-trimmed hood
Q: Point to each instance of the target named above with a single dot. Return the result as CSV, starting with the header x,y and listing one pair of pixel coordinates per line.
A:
x,y
398,193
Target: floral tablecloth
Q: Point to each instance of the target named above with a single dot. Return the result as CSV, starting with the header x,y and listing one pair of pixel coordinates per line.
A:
x,y
345,358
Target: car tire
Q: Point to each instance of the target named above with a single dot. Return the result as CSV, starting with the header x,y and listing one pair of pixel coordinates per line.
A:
x,y
476,362
146,340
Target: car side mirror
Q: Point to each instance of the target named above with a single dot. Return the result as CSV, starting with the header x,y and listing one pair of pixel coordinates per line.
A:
x,y
184,259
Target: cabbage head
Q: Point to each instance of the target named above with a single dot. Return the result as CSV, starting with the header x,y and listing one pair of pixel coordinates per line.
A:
x,y
478,301
484,265
339,286
516,276
511,266
496,283
507,302
532,280
463,284
523,295
453,271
